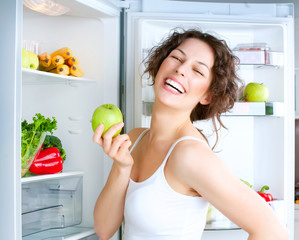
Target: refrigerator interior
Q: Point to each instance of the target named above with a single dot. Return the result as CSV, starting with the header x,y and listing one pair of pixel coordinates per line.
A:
x,y
253,146
245,146
93,36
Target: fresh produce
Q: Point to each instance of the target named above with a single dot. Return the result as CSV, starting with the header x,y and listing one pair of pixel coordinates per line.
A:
x,y
267,196
44,60
55,61
53,141
61,69
33,60
72,61
25,58
256,92
62,62
65,52
76,71
33,135
108,115
48,161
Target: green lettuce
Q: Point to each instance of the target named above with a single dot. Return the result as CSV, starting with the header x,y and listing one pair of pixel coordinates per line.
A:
x,y
33,135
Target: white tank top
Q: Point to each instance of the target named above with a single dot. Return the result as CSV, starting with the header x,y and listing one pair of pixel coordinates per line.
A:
x,y
154,211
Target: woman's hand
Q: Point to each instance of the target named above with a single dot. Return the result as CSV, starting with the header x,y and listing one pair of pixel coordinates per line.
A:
x,y
116,148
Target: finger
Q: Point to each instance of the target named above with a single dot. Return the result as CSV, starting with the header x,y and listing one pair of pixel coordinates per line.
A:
x,y
124,147
97,136
116,143
107,138
113,130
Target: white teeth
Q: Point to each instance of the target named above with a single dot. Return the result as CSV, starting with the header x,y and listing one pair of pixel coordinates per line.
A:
x,y
175,85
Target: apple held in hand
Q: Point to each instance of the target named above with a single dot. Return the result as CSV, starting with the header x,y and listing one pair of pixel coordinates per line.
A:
x,y
108,115
256,92
33,60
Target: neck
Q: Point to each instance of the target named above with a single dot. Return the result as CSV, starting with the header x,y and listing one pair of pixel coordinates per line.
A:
x,y
167,124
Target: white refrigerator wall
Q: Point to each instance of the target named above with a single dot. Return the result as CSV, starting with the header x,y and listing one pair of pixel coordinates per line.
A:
x,y
243,145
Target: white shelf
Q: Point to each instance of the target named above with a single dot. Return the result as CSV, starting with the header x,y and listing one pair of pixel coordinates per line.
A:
x,y
258,66
50,176
257,109
69,233
31,76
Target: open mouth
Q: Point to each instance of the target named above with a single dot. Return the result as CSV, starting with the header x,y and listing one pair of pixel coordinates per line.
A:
x,y
174,86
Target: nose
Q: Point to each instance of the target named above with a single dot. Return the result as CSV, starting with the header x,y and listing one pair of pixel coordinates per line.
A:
x,y
181,69
180,73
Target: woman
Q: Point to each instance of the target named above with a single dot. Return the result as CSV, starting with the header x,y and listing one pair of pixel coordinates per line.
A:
x,y
161,186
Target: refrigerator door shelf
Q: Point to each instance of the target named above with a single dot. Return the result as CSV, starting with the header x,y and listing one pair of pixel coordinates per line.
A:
x,y
240,109
39,77
257,109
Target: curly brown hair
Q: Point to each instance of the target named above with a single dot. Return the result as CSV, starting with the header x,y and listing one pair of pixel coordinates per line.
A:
x,y
224,85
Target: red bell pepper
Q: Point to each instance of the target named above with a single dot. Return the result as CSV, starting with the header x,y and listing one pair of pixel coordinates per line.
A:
x,y
48,161
267,196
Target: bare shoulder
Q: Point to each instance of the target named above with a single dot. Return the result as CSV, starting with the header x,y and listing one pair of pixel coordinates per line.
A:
x,y
194,157
134,134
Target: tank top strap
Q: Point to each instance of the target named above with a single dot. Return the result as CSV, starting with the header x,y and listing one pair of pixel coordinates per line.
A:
x,y
176,142
138,139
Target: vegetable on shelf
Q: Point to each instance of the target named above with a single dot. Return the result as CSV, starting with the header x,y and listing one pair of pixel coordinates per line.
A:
x,y
267,196
48,161
33,135
53,141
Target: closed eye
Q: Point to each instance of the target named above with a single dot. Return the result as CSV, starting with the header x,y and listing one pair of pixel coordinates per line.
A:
x,y
197,71
177,58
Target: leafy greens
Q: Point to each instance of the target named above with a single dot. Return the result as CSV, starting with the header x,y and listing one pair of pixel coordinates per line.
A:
x,y
31,135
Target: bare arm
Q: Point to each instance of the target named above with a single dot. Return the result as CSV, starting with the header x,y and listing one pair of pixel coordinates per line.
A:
x,y
203,171
109,208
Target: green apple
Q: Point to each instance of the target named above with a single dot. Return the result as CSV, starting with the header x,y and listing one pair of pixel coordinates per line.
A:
x,y
256,92
25,58
108,115
33,60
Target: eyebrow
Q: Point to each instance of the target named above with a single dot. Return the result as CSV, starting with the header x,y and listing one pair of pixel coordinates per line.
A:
x,y
202,63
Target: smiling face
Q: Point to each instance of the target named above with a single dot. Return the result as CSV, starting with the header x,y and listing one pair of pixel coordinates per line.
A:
x,y
185,75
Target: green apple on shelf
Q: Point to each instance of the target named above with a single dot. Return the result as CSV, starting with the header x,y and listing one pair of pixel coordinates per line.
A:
x,y
256,92
25,58
33,60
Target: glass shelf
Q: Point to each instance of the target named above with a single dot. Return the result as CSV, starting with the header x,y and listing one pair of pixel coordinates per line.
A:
x,y
221,225
258,66
69,233
257,109
31,76
50,176
239,109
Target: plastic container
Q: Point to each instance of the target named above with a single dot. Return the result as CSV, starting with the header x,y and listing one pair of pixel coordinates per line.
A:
x,y
252,53
31,150
32,46
51,204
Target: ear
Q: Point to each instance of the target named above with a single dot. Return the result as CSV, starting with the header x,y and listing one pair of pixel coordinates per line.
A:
x,y
206,100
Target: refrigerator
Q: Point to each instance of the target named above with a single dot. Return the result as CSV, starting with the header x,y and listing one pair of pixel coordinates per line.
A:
x,y
111,39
